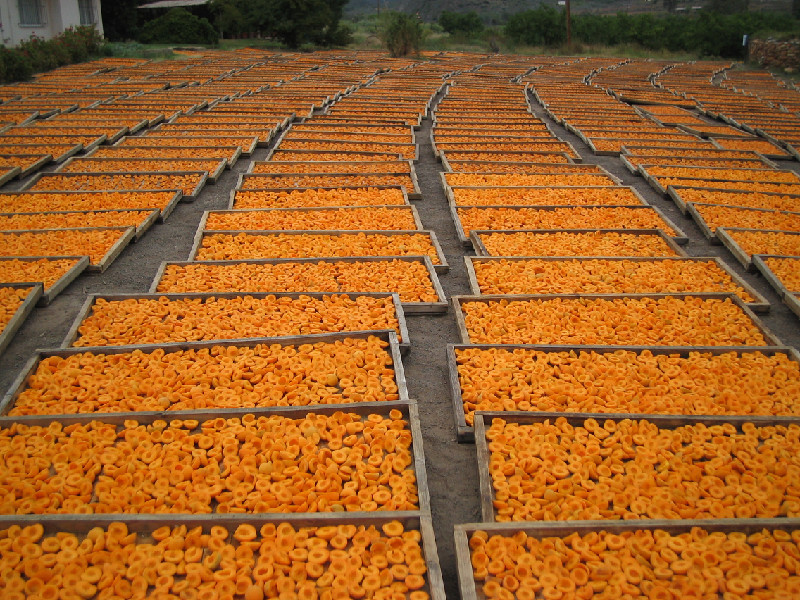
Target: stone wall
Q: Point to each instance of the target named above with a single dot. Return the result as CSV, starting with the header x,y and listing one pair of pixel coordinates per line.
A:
x,y
776,54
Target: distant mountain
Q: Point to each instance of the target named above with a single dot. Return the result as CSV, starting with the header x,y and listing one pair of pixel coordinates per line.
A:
x,y
429,11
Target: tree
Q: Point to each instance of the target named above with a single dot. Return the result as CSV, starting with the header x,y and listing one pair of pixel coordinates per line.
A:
x,y
120,19
178,26
544,26
401,33
299,22
228,17
461,23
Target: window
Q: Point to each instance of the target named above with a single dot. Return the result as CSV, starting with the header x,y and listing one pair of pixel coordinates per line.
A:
x,y
31,12
87,11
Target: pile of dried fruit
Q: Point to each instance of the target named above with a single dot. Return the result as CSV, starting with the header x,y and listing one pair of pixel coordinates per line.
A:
x,y
669,321
162,320
601,276
684,472
341,372
410,279
570,243
644,563
699,383
331,219
362,561
316,463
242,246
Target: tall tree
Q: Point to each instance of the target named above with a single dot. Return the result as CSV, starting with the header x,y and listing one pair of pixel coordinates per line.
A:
x,y
298,22
120,19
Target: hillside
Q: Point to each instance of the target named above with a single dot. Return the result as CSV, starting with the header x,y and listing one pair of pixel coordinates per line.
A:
x,y
498,10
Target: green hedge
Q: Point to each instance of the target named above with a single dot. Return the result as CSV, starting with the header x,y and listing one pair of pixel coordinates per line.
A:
x,y
37,55
706,34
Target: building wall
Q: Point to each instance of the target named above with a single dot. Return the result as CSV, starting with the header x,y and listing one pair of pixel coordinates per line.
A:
x,y
58,15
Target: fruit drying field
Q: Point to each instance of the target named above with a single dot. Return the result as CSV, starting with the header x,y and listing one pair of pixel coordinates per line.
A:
x,y
338,325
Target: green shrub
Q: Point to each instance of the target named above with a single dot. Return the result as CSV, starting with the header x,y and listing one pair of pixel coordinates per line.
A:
x,y
402,34
178,26
707,33
17,66
36,55
467,24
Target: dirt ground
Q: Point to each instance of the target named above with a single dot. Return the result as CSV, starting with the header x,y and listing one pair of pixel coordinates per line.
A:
x,y
451,467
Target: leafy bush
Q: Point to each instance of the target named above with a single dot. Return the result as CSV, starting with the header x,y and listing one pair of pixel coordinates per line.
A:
x,y
16,66
36,54
461,23
544,26
402,34
708,33
178,26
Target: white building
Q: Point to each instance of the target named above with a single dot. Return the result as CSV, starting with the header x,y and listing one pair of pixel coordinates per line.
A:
x,y
20,19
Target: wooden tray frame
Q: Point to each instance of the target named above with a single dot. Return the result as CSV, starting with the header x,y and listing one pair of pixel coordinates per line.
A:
x,y
388,164
501,141
12,173
497,167
790,298
654,182
440,306
568,160
483,420
100,139
48,294
246,148
636,169
212,175
614,182
451,193
631,141
442,267
286,136
467,584
409,408
466,434
413,190
760,305
43,160
410,208
127,235
705,229
387,335
28,304
680,237
163,214
68,150
463,332
151,216
738,253
145,524
91,300
314,153
232,200
674,192
481,251
203,175
235,151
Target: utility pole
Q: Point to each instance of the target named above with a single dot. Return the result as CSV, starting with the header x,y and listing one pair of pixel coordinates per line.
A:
x,y
569,25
